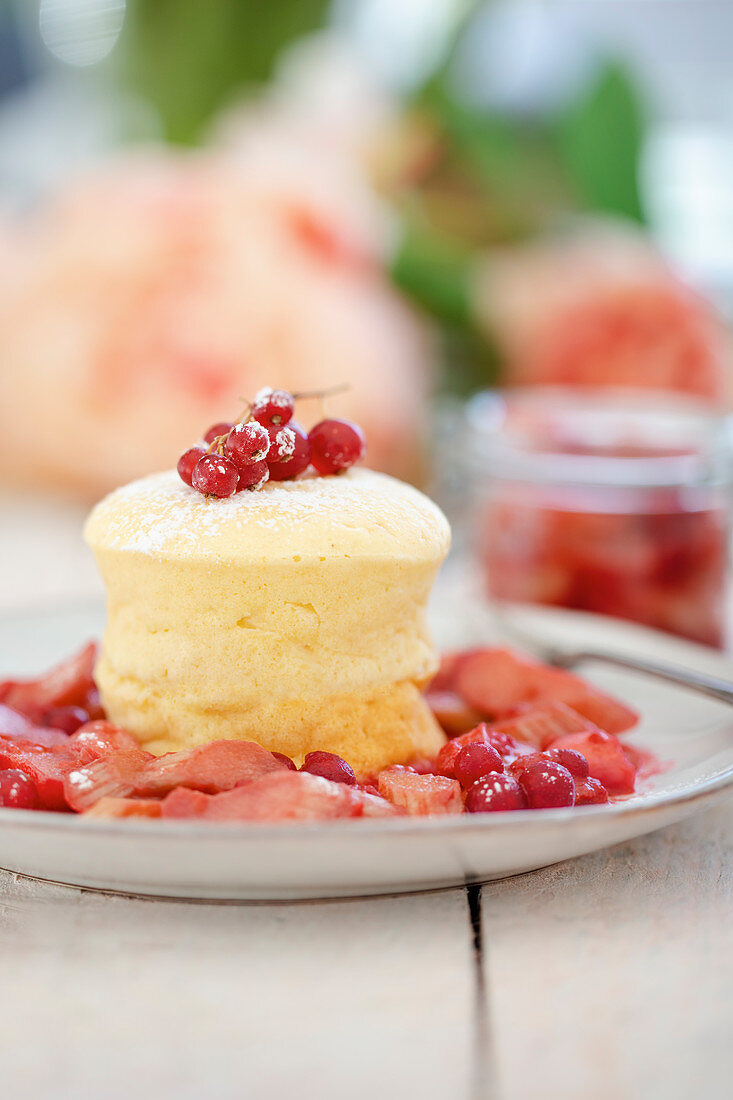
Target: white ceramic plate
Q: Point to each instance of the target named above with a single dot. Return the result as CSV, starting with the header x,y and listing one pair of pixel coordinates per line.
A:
x,y
351,858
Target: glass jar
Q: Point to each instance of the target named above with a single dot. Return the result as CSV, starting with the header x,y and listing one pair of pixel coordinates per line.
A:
x,y
608,502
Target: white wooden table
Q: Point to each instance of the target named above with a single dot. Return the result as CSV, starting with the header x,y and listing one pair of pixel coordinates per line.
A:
x,y
605,977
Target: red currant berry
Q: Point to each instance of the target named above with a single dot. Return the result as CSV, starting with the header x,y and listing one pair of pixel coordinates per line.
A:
x,y
216,476
285,760
329,766
253,477
187,463
547,784
516,767
282,443
247,444
336,445
67,719
17,790
590,792
574,761
495,793
476,761
222,428
300,460
271,407
505,745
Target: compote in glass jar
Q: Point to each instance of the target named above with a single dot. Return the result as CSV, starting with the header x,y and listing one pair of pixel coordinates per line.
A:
x,y
605,502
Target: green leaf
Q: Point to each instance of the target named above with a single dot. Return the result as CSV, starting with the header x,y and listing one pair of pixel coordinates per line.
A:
x,y
599,138
469,361
189,57
435,273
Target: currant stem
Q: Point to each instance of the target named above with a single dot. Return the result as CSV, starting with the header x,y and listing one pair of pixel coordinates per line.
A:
x,y
220,441
217,445
341,388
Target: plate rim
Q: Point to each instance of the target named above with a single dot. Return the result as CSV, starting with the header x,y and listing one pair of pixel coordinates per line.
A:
x,y
640,804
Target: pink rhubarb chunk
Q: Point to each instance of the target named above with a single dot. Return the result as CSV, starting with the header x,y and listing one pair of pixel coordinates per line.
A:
x,y
280,796
541,725
421,794
451,712
211,768
95,740
68,684
15,726
114,776
218,766
495,681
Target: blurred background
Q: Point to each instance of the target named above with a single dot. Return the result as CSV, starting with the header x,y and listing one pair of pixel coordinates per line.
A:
x,y
423,198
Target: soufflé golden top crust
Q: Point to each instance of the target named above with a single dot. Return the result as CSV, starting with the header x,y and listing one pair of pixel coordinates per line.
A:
x,y
293,616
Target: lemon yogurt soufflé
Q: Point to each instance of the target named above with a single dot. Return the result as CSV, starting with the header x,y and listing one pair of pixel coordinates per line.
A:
x,y
293,616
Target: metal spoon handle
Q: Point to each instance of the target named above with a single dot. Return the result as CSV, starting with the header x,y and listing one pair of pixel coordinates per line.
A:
x,y
712,686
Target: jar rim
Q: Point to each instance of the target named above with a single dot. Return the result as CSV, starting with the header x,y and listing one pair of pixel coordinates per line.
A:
x,y
611,437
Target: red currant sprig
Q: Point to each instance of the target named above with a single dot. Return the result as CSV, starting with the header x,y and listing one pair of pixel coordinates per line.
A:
x,y
265,443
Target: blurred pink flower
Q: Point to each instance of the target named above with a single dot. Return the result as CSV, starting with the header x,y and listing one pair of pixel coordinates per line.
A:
x,y
137,305
600,307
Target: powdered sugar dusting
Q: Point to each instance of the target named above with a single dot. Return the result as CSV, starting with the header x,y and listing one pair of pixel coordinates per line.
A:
x,y
284,443
281,399
256,485
161,516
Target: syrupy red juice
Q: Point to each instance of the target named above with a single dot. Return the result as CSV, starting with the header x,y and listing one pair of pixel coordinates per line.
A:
x,y
657,557
595,505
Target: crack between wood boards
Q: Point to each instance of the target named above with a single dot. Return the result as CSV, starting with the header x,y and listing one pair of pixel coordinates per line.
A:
x,y
481,1083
